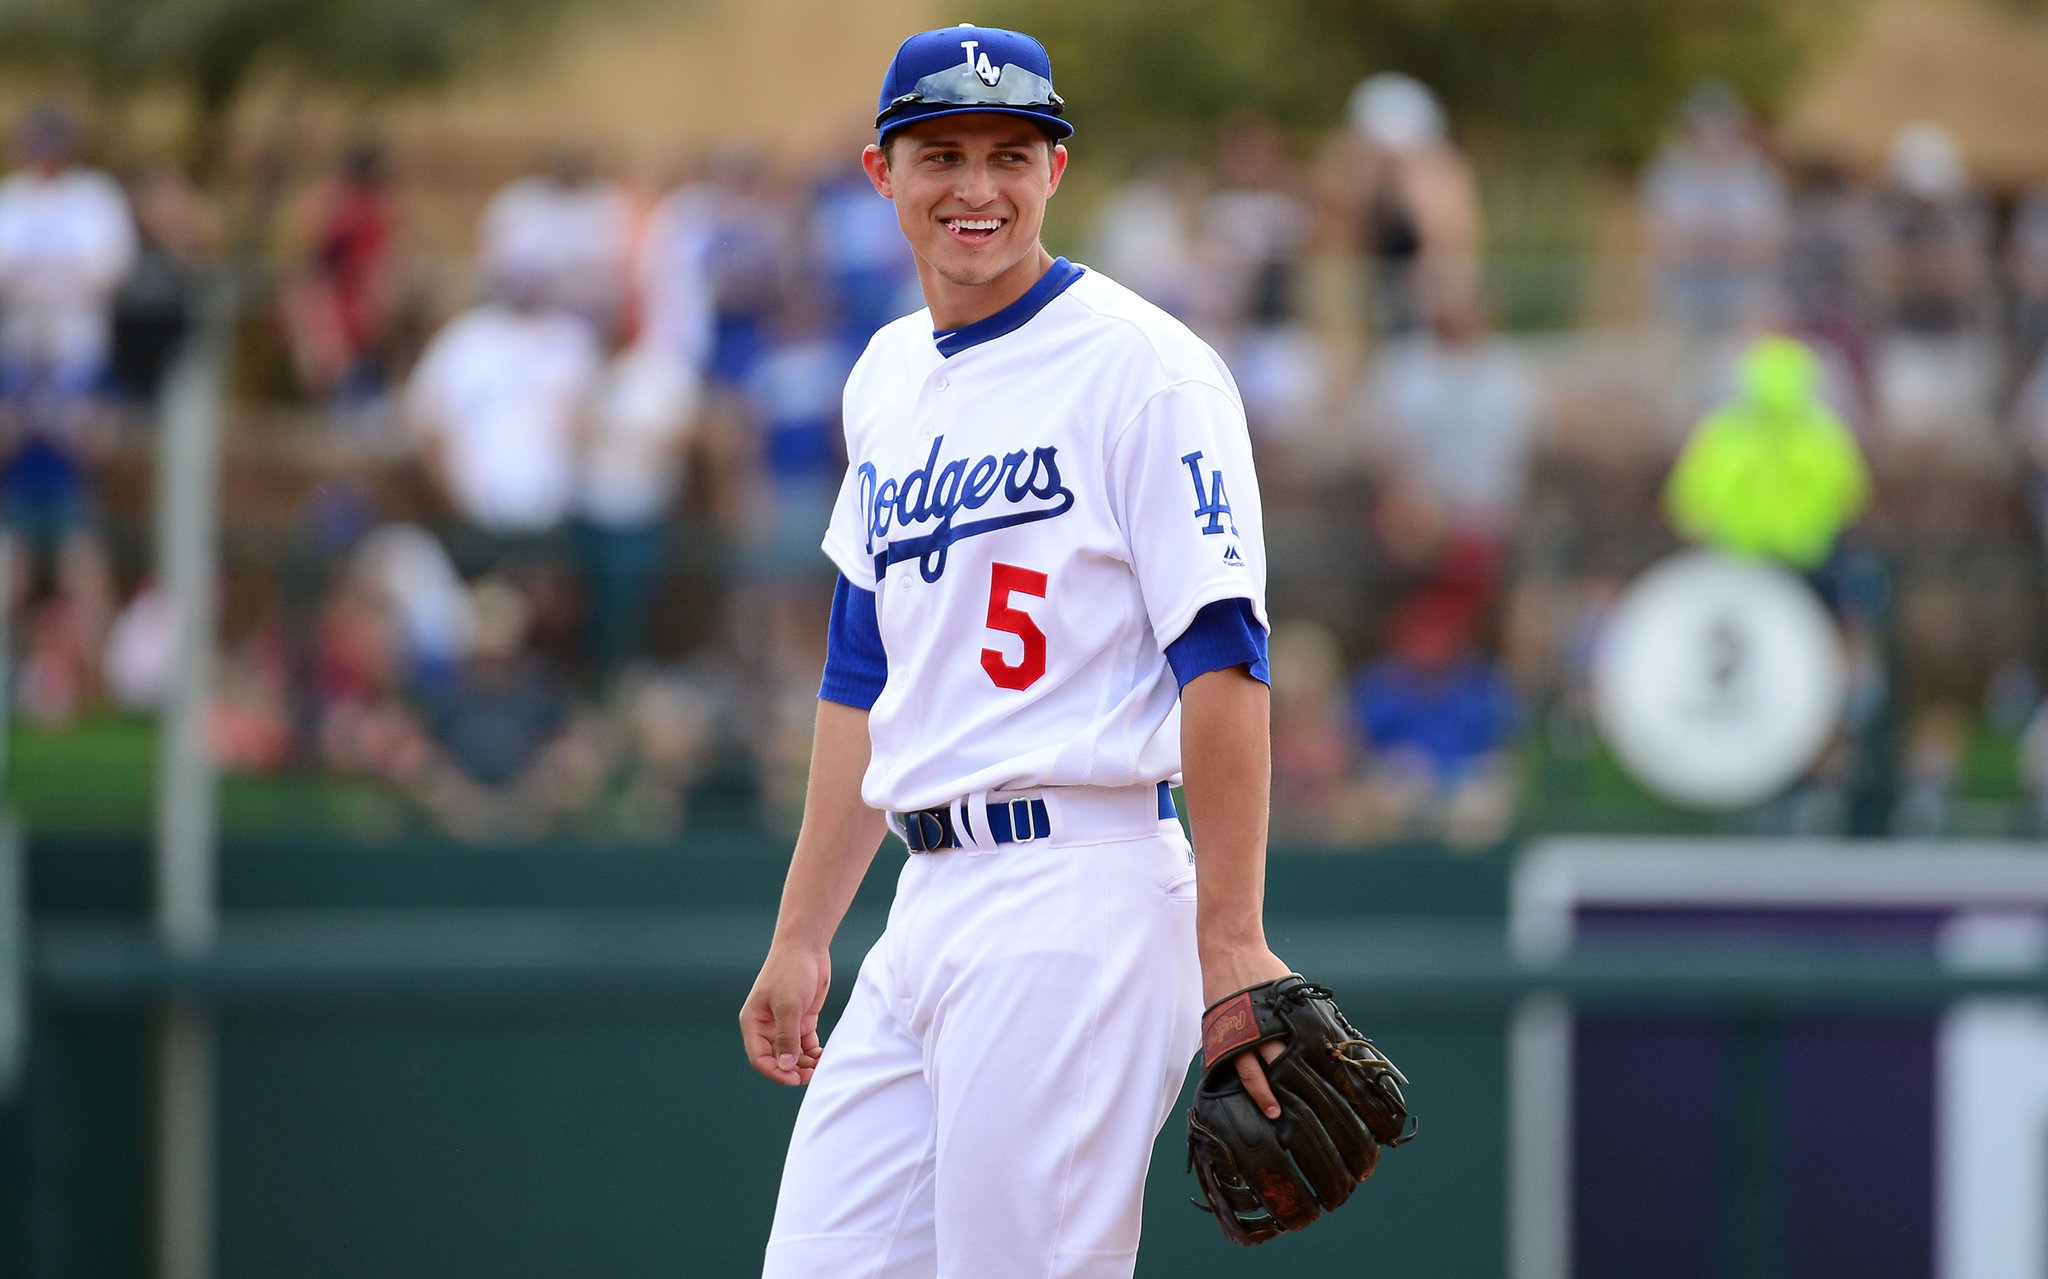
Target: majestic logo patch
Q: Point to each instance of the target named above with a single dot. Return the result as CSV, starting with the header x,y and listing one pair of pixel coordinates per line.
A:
x,y
982,67
1211,503
1028,480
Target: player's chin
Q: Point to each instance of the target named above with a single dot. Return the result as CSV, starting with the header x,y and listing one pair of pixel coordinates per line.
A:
x,y
976,261
974,268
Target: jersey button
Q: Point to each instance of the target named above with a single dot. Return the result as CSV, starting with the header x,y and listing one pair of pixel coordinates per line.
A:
x,y
942,383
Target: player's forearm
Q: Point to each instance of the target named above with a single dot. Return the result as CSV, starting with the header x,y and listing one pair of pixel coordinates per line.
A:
x,y
1227,762
839,835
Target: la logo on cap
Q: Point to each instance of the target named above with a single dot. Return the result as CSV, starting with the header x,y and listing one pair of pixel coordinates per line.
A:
x,y
982,67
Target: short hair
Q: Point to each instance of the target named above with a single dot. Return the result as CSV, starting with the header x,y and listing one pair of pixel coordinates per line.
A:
x,y
889,142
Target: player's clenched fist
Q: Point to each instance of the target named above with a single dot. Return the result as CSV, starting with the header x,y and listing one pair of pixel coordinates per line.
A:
x,y
779,1021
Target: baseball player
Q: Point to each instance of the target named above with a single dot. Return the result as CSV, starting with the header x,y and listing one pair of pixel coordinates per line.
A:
x,y
1050,606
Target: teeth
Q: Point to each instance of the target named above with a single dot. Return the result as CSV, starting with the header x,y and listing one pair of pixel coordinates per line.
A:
x,y
976,224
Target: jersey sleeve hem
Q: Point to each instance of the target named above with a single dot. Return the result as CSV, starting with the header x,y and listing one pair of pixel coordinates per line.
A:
x,y
1225,633
1215,593
856,664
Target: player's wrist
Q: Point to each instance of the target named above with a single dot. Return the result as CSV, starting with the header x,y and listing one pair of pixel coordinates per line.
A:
x,y
800,937
1229,969
1224,937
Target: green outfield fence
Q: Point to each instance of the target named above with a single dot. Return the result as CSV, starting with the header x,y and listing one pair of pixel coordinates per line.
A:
x,y
437,1061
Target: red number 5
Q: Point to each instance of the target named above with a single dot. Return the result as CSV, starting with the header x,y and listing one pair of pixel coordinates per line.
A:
x,y
1004,580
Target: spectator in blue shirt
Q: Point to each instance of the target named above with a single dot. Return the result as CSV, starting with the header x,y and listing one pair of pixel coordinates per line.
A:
x,y
1438,718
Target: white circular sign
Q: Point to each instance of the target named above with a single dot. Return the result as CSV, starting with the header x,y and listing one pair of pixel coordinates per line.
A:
x,y
1719,680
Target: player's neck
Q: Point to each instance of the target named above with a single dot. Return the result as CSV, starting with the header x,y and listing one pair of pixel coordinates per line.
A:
x,y
955,306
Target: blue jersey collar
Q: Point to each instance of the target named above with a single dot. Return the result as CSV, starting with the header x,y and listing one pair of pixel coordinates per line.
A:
x,y
1054,282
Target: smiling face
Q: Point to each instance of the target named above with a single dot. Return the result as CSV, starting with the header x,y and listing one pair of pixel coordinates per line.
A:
x,y
970,193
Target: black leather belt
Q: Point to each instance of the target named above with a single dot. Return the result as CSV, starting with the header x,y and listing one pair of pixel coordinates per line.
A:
x,y
1013,821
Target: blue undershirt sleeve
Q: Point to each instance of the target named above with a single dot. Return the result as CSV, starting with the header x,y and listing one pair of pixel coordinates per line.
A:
x,y
1224,633
856,666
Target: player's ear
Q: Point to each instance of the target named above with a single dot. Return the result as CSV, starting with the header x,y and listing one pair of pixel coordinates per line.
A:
x,y
876,161
1059,166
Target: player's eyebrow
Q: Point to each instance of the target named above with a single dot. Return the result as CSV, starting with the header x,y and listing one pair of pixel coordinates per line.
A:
x,y
1021,141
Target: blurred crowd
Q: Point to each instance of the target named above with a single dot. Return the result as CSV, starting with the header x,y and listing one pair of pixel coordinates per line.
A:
x,y
635,391
1810,345
556,567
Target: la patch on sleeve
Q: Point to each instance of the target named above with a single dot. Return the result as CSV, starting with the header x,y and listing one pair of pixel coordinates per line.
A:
x,y
1212,505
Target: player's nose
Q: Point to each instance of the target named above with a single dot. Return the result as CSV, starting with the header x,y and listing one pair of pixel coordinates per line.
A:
x,y
976,186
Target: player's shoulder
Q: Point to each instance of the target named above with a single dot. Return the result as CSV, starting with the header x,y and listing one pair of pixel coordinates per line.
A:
x,y
902,343
1121,328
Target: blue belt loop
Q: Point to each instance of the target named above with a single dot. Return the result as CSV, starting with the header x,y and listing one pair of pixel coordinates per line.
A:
x,y
999,826
1166,809
1023,822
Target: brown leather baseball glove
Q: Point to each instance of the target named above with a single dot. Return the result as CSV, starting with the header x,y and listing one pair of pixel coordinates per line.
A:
x,y
1340,1102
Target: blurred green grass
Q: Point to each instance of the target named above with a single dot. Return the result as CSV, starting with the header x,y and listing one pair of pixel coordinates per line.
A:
x,y
1583,790
97,777
1991,768
93,777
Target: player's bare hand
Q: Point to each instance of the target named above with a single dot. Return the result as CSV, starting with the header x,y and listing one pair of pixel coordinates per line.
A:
x,y
779,1021
1224,973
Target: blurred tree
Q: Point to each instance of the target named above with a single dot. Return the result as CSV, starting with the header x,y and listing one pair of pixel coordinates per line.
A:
x,y
1598,77
210,47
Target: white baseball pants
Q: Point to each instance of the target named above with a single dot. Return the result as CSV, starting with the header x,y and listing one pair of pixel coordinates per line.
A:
x,y
986,1107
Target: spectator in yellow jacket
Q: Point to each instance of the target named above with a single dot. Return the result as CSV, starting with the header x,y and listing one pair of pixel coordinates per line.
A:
x,y
1773,473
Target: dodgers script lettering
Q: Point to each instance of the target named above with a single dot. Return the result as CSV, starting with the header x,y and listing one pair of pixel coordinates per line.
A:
x,y
1027,481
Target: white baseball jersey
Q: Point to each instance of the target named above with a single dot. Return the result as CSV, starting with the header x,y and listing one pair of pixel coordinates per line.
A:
x,y
1040,515
65,243
503,391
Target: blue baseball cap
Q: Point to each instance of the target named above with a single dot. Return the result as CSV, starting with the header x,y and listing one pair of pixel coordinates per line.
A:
x,y
956,70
